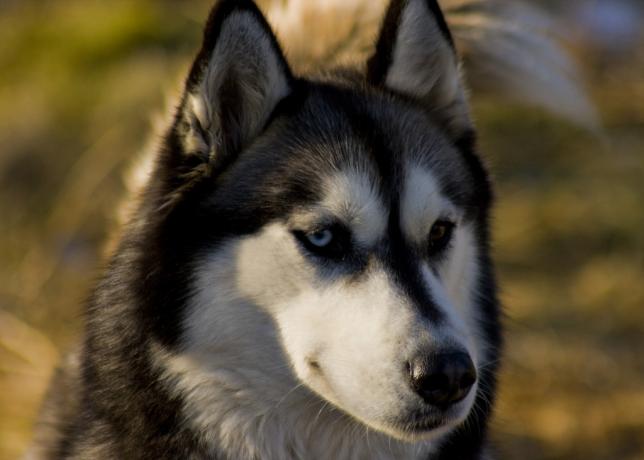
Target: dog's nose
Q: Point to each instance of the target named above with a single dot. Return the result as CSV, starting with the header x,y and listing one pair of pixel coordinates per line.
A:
x,y
442,379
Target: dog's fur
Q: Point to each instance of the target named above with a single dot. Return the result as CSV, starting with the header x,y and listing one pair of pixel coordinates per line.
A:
x,y
220,330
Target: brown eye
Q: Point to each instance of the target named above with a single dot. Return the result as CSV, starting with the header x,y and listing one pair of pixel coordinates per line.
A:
x,y
440,236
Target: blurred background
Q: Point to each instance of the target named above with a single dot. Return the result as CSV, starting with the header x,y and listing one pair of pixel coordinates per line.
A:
x,y
82,83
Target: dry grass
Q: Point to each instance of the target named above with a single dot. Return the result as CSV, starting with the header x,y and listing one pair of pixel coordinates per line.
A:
x,y
79,82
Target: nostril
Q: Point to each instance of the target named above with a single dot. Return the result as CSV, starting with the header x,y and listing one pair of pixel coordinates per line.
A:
x,y
442,379
313,364
434,382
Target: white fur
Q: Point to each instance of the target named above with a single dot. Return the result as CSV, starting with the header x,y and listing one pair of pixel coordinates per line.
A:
x,y
460,274
422,204
277,362
352,196
242,393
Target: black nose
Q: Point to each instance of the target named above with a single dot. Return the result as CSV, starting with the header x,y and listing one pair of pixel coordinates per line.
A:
x,y
442,379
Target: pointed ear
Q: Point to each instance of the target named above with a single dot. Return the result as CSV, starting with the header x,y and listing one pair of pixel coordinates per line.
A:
x,y
415,56
236,81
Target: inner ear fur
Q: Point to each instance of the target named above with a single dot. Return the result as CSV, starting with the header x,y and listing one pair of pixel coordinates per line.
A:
x,y
236,81
415,56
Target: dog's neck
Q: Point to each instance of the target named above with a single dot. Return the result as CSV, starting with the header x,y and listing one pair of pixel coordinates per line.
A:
x,y
239,413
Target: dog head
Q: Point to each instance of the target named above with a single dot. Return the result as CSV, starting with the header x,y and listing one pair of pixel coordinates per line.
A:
x,y
328,230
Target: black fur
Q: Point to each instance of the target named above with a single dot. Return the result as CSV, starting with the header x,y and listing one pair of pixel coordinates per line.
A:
x,y
379,63
124,409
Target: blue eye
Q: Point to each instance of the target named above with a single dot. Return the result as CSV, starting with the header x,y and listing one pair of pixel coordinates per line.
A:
x,y
321,238
333,241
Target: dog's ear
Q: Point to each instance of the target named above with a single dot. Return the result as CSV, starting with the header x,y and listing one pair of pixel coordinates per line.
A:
x,y
236,81
415,56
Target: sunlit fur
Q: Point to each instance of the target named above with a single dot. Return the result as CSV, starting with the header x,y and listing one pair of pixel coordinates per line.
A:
x,y
217,331
509,48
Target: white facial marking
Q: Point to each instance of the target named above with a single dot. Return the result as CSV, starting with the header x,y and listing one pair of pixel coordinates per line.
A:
x,y
257,320
422,203
461,275
271,346
353,196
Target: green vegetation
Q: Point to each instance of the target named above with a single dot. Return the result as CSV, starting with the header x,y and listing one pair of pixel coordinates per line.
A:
x,y
79,82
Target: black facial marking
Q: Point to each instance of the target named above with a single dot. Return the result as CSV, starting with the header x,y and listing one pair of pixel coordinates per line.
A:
x,y
404,262
483,194
400,258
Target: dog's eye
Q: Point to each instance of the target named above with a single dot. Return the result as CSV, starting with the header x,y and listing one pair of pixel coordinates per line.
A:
x,y
320,238
329,242
440,236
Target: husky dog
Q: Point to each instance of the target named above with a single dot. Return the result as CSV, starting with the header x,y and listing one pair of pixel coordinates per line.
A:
x,y
307,272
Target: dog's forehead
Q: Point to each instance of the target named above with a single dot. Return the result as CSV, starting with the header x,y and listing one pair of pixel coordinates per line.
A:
x,y
350,154
382,154
389,133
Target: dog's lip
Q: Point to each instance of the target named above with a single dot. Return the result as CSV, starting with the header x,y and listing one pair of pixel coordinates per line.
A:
x,y
421,422
425,425
425,421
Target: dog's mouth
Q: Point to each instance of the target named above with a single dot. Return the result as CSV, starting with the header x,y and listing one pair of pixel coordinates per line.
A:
x,y
427,424
421,423
420,427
